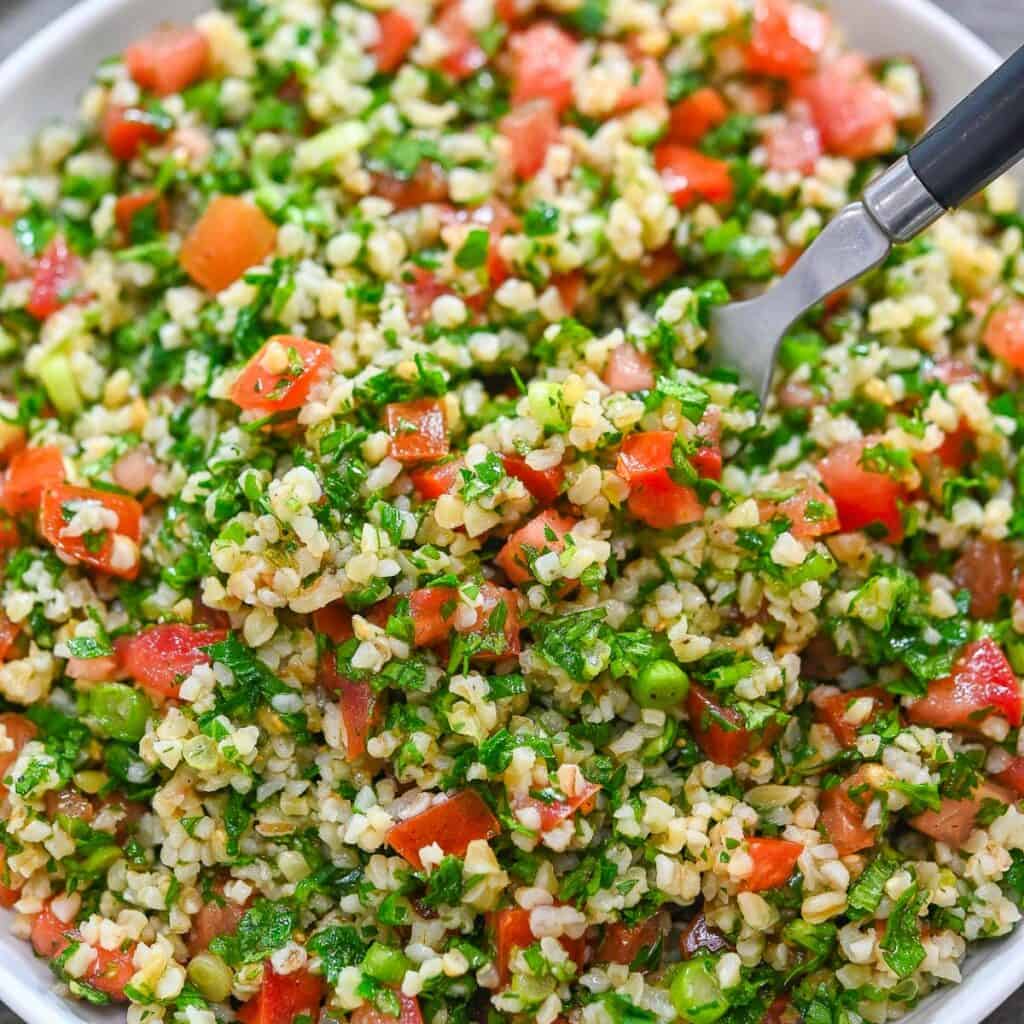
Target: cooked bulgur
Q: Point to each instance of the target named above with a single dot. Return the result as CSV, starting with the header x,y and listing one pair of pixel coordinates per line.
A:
x,y
401,622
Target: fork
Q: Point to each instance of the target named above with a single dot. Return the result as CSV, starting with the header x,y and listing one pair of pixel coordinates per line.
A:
x,y
976,142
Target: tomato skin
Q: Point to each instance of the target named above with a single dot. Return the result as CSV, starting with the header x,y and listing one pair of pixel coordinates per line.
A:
x,y
8,634
988,569
955,820
30,472
774,862
843,817
512,931
862,496
695,115
554,813
720,744
787,40
395,34
433,611
20,730
498,219
334,621
159,655
534,535
655,498
52,524
832,711
1013,775
431,482
169,59
649,89
283,997
128,206
569,287
269,389
707,459
409,1014
231,236
689,175
982,682
628,369
795,145
421,288
1004,333
14,262
465,55
544,60
802,522
126,130
453,824
428,184
58,273
418,429
530,130
544,484
852,111
623,943
357,701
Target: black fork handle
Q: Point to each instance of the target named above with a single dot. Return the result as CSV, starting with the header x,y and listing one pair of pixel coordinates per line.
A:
x,y
979,139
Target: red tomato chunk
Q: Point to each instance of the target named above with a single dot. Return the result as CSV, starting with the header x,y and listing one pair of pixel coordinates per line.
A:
x,y
30,471
418,429
169,59
395,34
512,931
787,40
453,824
544,62
689,175
231,236
842,815
281,375
56,279
629,369
774,862
127,129
283,997
544,533
655,498
695,115
544,484
1004,333
161,656
862,496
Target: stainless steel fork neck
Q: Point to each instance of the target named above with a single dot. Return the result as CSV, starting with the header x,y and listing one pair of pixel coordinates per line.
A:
x,y
900,203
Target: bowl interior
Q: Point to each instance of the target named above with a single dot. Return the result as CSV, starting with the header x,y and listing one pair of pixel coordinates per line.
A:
x,y
44,79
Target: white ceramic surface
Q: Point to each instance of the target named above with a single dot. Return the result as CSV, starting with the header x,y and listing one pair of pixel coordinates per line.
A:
x,y
43,80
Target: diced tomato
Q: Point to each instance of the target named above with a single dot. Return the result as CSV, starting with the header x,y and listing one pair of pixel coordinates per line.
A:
x,y
774,861
283,997
433,481
49,933
958,448
395,34
231,236
553,813
148,203
719,731
30,471
655,498
569,287
811,512
842,815
544,484
689,175
498,219
695,115
101,551
421,289
988,569
219,916
159,657
453,824
428,184
334,621
512,931
794,145
433,615
8,634
19,730
787,40
658,266
418,429
544,60
1004,333
280,376
360,711
409,1013
629,369
464,54
56,279
707,459
169,59
69,802
648,88
852,111
981,683
623,943
955,820
1013,775
508,643
545,532
530,130
832,711
12,259
126,130
862,496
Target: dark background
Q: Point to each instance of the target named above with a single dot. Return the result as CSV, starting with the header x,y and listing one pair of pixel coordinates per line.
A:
x,y
999,22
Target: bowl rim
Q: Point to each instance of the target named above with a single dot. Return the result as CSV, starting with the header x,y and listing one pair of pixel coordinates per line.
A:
x,y
997,969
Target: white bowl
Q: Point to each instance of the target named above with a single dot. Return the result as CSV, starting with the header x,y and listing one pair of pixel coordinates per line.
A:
x,y
43,80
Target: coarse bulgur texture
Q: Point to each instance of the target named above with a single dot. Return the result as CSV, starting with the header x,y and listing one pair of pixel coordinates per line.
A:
x,y
401,623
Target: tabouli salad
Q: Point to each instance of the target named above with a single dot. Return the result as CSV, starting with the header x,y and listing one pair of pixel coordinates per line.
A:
x,y
402,623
